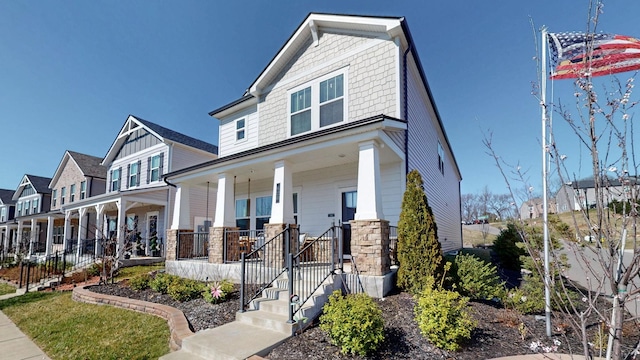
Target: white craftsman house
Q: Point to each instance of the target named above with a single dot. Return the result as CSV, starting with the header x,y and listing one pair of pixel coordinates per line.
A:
x,y
8,227
33,200
326,135
134,205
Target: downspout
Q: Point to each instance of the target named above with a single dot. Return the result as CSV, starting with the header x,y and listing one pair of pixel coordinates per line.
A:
x,y
405,109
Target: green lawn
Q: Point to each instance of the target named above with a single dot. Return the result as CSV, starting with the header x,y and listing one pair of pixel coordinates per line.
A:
x,y
66,329
7,289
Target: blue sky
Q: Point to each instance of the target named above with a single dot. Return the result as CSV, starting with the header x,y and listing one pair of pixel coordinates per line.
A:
x,y
71,72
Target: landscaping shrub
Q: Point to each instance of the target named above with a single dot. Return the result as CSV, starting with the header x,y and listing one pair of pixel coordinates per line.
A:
x,y
443,318
507,247
140,282
217,291
354,323
476,279
161,282
419,251
181,289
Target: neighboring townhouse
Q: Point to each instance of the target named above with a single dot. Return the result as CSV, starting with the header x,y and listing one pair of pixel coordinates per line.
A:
x,y
78,177
581,194
33,201
134,207
324,135
8,227
534,208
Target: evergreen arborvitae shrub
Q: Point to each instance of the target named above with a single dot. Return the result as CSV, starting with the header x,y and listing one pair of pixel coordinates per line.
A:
x,y
507,249
353,322
419,251
477,279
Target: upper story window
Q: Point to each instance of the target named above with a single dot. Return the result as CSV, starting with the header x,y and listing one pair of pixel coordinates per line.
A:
x,y
3,214
54,197
19,209
83,190
154,169
72,193
116,176
134,174
440,158
63,194
240,129
317,104
27,205
35,206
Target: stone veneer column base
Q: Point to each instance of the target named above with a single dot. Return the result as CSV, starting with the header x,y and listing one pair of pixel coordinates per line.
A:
x,y
172,244
216,243
277,247
370,246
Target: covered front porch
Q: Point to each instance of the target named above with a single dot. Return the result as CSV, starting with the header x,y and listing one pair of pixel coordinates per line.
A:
x,y
352,179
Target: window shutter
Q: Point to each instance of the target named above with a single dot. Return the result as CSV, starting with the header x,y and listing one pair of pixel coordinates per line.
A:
x,y
138,175
110,179
119,177
128,175
148,170
161,166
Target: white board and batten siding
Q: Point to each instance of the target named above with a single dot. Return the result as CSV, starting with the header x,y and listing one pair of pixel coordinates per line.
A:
x,y
443,190
228,129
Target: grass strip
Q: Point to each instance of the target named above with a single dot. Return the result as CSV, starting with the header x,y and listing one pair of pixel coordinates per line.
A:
x,y
65,329
7,289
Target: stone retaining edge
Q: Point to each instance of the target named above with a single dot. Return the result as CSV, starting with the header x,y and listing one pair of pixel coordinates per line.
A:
x,y
178,324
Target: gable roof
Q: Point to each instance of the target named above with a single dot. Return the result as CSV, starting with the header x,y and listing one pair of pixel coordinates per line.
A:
x,y
164,134
393,26
88,165
39,183
6,197
589,182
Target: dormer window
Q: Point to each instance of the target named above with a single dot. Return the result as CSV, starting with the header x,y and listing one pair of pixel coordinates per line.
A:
x,y
318,104
240,129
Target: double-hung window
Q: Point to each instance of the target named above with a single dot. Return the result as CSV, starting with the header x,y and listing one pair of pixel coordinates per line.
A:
x,y
72,193
115,179
63,194
240,129
242,214
263,211
19,209
83,190
440,158
35,206
154,167
54,197
318,103
3,214
27,204
134,174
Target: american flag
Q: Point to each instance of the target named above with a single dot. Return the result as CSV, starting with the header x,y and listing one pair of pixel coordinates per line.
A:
x,y
611,54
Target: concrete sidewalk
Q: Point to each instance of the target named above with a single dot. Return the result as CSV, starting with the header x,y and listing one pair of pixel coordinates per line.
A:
x,y
14,344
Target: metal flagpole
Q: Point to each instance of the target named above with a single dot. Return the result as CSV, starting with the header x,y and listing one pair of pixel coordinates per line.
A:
x,y
543,103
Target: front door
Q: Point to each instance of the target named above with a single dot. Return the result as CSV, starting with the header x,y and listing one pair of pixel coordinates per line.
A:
x,y
349,201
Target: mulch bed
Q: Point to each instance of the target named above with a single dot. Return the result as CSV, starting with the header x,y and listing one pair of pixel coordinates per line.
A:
x,y
497,333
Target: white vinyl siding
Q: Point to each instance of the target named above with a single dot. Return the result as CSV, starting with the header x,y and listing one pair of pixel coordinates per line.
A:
x,y
228,127
443,190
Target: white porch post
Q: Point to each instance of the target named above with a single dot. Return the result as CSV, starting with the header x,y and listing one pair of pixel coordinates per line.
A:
x,y
181,211
225,216
49,247
67,231
99,227
81,229
282,199
5,239
369,204
32,236
122,208
19,236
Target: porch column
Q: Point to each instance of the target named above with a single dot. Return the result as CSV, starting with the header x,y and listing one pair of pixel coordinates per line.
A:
x,y
67,231
225,218
81,229
19,237
282,200
5,240
122,208
99,228
225,203
181,211
49,247
369,204
32,237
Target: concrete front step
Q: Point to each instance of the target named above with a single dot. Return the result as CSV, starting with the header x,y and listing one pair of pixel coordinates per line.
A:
x,y
232,341
267,320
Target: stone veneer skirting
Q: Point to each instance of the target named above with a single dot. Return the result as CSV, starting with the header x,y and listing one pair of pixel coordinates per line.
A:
x,y
178,324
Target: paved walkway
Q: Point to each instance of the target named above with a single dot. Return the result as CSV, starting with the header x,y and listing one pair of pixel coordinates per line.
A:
x,y
14,344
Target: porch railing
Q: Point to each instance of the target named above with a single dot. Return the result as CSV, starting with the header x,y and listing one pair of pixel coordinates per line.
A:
x,y
264,264
193,246
308,269
238,242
